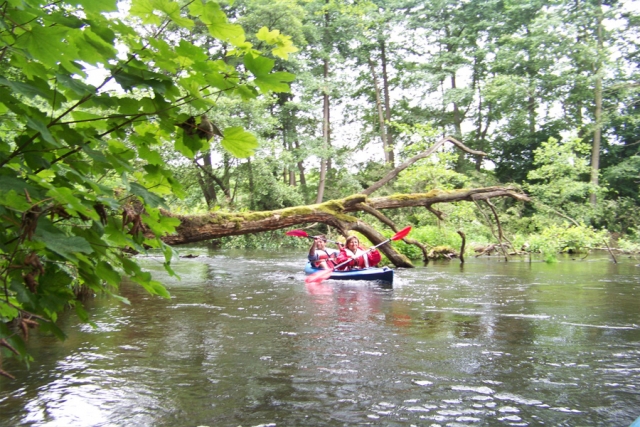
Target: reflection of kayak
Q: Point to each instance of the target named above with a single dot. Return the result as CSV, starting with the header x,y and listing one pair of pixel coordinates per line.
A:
x,y
384,274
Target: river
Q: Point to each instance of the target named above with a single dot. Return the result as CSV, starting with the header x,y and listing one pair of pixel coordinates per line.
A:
x,y
244,342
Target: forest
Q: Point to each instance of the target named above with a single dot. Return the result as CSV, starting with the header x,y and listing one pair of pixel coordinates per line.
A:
x,y
512,123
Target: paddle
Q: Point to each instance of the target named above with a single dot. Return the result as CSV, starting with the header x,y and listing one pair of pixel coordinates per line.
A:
x,y
322,275
302,233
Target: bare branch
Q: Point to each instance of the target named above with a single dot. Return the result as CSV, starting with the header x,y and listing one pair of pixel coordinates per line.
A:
x,y
393,173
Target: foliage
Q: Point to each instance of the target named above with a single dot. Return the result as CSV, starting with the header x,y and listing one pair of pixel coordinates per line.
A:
x,y
445,235
565,238
557,182
269,192
83,177
271,240
632,243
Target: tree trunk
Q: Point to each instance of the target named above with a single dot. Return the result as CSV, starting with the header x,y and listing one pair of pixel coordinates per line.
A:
x,y
387,102
325,135
252,187
206,184
597,133
303,180
207,169
457,116
381,124
481,133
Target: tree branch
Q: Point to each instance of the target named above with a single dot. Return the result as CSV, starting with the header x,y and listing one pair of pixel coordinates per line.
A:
x,y
334,213
393,173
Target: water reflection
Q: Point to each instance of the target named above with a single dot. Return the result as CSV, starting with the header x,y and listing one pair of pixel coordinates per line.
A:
x,y
243,341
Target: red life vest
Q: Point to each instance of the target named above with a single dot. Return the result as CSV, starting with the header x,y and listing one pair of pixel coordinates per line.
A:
x,y
370,259
323,255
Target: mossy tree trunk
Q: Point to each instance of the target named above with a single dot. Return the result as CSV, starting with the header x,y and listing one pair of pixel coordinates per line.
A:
x,y
335,213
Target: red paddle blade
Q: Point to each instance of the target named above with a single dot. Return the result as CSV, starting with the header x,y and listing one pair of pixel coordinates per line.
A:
x,y
317,278
297,233
401,234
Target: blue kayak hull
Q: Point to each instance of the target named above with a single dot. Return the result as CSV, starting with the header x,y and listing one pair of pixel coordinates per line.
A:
x,y
374,274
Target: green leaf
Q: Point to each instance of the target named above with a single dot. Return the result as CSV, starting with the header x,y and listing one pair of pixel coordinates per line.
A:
x,y
258,65
160,224
151,156
149,198
63,245
46,44
172,9
93,6
188,50
8,182
25,89
108,274
65,196
144,10
102,50
284,51
76,85
216,22
116,236
239,142
188,145
284,45
7,312
275,82
41,128
14,200
159,289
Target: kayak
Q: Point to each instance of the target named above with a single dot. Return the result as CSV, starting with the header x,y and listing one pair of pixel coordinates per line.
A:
x,y
374,274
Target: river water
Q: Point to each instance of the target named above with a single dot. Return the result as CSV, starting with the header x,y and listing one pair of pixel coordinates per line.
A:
x,y
244,342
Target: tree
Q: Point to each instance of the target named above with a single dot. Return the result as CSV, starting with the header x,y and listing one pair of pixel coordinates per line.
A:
x,y
82,176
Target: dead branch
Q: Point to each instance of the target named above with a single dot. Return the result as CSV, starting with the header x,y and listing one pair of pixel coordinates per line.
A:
x,y
464,239
382,218
394,172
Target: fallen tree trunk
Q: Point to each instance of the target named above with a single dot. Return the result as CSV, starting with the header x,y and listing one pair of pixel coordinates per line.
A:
x,y
335,213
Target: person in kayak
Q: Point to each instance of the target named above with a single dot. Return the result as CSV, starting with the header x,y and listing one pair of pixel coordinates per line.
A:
x,y
321,256
357,255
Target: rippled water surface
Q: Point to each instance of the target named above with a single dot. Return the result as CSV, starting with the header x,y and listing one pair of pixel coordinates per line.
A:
x,y
243,342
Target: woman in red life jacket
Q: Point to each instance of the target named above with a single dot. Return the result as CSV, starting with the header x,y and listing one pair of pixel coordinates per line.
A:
x,y
357,254
320,256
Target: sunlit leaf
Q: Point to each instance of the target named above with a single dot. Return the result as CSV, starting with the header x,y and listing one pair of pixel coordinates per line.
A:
x,y
216,22
239,142
145,10
274,82
7,312
283,43
99,6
